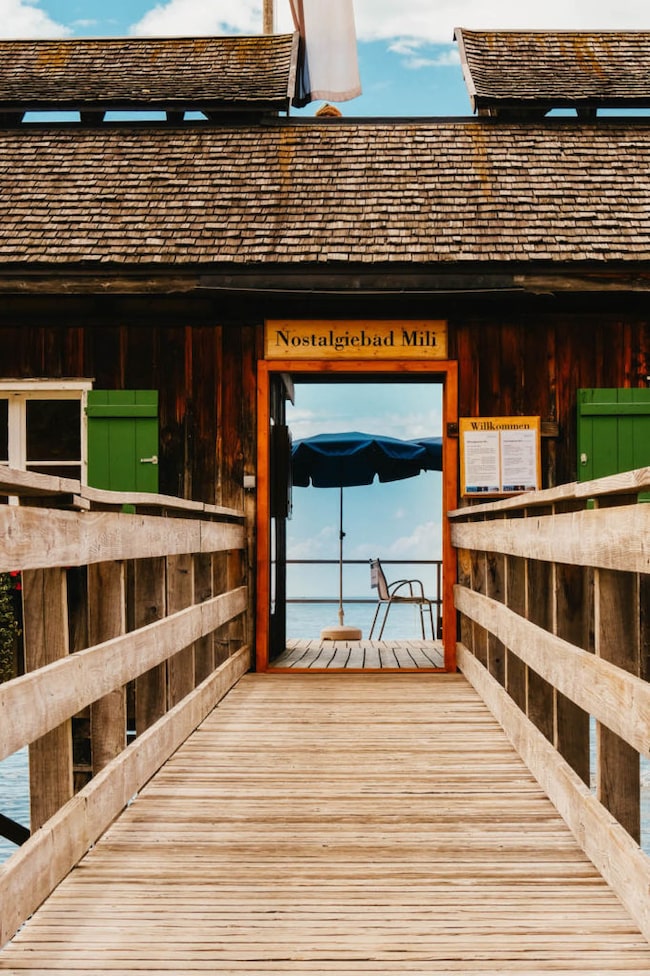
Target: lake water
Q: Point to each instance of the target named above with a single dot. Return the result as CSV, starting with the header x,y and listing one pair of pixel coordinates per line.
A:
x,y
303,620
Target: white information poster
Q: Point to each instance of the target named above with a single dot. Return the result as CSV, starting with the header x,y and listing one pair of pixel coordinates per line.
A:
x,y
499,455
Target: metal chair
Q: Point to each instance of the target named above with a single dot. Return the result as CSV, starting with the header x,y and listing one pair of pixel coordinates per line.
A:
x,y
389,594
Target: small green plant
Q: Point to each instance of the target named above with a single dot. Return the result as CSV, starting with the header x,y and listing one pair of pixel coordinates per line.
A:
x,y
9,629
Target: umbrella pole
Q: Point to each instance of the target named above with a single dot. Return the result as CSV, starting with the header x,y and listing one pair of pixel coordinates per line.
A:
x,y
341,632
341,538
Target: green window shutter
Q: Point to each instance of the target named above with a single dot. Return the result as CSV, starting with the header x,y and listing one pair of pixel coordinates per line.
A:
x,y
613,432
123,439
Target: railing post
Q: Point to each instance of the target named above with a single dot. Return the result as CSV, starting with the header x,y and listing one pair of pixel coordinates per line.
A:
x,y
46,639
180,594
495,564
573,600
616,628
203,648
516,576
539,599
106,619
479,586
149,599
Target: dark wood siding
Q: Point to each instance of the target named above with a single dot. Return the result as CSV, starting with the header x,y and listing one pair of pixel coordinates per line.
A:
x,y
534,365
205,376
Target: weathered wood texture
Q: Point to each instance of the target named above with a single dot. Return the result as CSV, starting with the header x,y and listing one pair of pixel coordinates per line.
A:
x,y
43,699
45,633
47,857
584,573
324,824
533,366
326,655
203,373
37,538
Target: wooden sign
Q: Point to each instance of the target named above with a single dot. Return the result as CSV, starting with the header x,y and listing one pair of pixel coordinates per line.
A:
x,y
499,455
337,340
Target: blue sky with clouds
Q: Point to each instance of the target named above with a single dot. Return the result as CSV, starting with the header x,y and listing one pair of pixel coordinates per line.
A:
x,y
398,520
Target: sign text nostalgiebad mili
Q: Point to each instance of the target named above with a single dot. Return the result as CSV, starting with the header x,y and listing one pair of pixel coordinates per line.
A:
x,y
292,339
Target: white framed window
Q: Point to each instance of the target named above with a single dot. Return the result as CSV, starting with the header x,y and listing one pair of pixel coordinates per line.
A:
x,y
43,426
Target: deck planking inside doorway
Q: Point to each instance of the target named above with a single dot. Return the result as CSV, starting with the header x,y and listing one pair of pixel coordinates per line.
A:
x,y
364,654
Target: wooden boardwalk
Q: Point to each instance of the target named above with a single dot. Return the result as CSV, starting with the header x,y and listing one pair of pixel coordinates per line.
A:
x,y
360,655
336,824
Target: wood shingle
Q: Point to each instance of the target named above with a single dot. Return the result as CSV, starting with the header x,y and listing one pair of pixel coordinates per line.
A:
x,y
296,194
210,74
551,69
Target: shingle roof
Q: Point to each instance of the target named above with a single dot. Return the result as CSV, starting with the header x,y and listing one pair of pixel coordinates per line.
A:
x,y
128,73
556,68
325,192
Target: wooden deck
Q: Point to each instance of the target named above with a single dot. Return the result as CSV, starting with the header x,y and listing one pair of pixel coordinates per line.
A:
x,y
342,824
360,655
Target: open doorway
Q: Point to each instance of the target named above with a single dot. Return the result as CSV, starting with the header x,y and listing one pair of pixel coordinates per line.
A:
x,y
397,521
401,522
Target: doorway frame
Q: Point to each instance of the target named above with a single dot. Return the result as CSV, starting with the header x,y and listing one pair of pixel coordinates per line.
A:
x,y
442,371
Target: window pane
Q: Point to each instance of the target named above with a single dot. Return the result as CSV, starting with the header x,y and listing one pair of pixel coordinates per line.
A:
x,y
4,430
57,470
53,430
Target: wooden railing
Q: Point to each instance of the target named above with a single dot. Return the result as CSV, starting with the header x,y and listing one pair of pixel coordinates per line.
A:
x,y
135,625
554,605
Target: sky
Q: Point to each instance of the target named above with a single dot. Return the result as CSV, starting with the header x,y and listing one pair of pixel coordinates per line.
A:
x,y
409,66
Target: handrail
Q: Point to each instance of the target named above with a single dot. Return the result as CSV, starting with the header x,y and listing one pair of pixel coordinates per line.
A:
x,y
553,597
437,563
154,598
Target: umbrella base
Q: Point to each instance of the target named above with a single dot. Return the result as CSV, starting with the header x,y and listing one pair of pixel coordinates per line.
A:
x,y
341,633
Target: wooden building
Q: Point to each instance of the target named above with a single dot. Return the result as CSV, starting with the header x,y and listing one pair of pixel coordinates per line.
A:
x,y
166,255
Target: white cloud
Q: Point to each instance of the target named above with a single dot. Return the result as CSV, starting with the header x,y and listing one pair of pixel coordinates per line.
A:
x,y
420,19
25,18
319,545
413,22
409,26
424,542
180,17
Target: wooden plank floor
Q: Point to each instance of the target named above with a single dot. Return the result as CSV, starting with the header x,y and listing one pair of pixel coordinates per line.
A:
x,y
336,824
363,654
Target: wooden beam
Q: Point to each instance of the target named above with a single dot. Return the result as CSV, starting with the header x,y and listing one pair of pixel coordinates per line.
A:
x,y
45,630
617,699
107,619
616,630
38,538
612,538
609,846
180,593
45,859
150,605
40,701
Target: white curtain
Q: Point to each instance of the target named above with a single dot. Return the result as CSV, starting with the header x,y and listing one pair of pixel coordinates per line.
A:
x,y
330,69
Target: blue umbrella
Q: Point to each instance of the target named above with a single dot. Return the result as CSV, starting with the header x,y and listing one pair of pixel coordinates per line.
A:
x,y
352,458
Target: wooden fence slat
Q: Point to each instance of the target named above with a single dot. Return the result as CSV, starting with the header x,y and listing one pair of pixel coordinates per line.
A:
x,y
616,628
180,593
42,700
150,605
609,538
37,538
617,699
107,619
45,631
45,859
608,845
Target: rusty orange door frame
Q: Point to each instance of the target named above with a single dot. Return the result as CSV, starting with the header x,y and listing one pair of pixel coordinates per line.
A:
x,y
446,372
